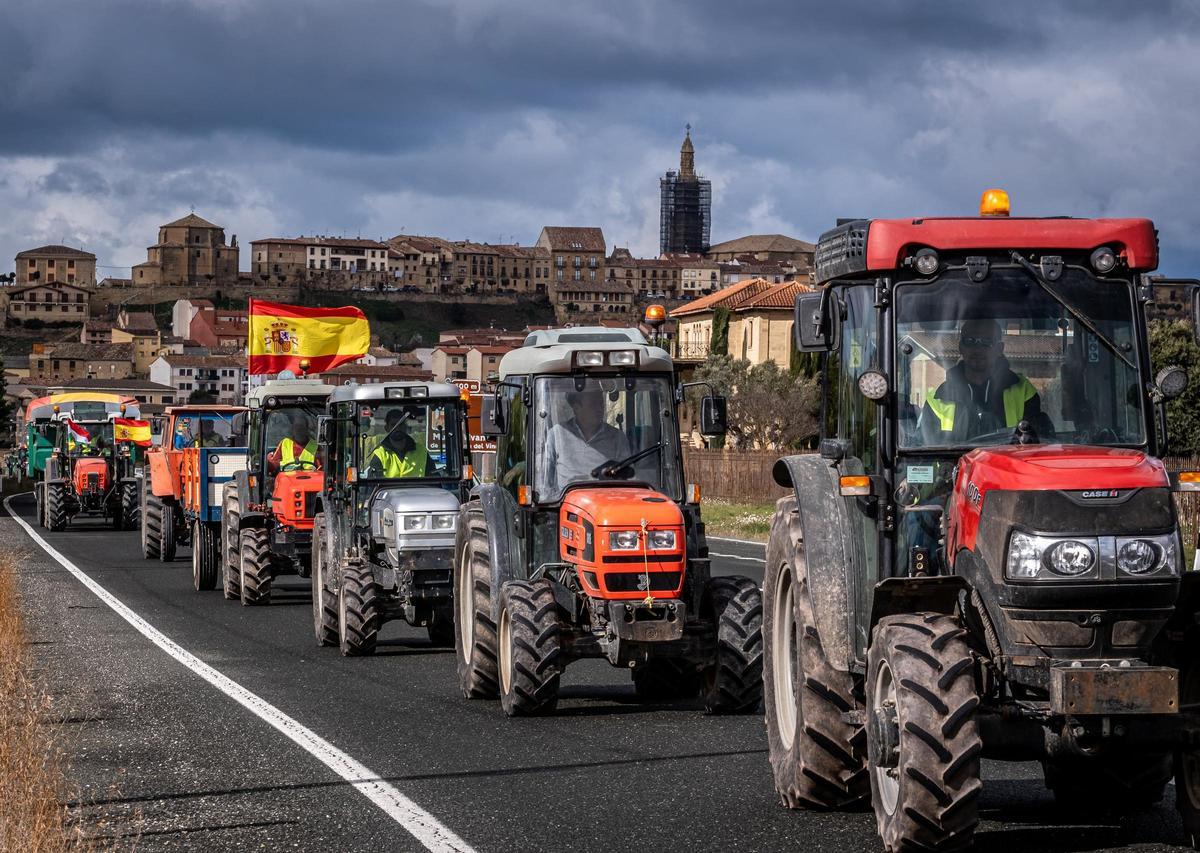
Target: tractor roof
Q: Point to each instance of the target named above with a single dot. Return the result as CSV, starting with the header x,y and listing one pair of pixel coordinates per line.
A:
x,y
553,351
117,405
883,244
288,388
203,409
396,390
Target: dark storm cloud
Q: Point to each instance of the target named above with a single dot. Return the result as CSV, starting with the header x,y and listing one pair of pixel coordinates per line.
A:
x,y
481,118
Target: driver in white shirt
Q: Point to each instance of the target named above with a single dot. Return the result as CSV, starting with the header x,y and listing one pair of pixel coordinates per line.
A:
x,y
575,448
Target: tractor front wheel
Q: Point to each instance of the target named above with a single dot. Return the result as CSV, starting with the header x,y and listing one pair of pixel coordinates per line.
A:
x,y
531,655
475,630
56,507
231,548
151,525
166,532
131,508
205,556
254,567
324,602
733,680
923,740
358,612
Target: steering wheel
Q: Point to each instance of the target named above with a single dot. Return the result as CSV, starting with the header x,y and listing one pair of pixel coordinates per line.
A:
x,y
298,465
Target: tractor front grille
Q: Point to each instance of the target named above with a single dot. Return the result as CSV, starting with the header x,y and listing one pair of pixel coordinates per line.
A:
x,y
310,504
636,581
93,482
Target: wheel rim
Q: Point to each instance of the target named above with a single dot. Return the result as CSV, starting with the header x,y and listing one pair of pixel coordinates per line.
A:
x,y
887,779
505,651
783,658
466,609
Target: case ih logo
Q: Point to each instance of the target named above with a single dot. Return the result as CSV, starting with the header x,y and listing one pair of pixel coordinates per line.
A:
x,y
1100,494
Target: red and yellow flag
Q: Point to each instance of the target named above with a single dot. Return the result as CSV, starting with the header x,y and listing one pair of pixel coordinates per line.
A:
x,y
282,336
128,429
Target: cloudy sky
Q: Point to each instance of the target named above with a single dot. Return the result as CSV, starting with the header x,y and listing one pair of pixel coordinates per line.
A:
x,y
486,119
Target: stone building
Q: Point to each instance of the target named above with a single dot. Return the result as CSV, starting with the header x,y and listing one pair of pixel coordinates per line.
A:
x,y
685,205
764,247
62,362
760,315
190,250
650,278
53,302
337,259
587,302
56,263
576,254
421,262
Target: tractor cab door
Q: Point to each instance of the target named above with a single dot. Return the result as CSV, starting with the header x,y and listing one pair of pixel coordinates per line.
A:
x,y
339,491
854,420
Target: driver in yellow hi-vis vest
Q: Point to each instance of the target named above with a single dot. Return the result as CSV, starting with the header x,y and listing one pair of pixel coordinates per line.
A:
x,y
296,451
398,454
981,394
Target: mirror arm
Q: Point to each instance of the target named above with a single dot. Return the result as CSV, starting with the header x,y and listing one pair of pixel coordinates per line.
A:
x,y
685,385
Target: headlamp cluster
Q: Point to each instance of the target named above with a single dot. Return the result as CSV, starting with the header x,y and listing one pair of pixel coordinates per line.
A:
x,y
630,540
438,521
1049,558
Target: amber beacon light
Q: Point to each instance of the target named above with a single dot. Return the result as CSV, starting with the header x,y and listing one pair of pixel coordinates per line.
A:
x,y
993,203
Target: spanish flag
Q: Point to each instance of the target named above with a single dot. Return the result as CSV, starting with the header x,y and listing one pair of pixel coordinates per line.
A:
x,y
283,336
128,429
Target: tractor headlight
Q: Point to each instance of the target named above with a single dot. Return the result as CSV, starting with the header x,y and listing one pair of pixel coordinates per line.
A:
x,y
414,522
1148,555
443,521
1032,557
1071,558
623,540
662,540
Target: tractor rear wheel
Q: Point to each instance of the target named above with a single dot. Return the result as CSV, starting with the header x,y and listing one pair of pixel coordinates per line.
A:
x,y
475,632
131,508
817,756
441,626
357,612
1114,784
530,641
923,740
666,680
324,602
733,681
151,526
231,549
206,554
56,507
166,531
254,567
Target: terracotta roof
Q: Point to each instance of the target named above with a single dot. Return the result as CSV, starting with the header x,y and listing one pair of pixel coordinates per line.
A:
x,y
382,371
204,360
202,303
191,221
493,350
452,350
778,296
730,297
762,243
140,321
574,239
115,282
228,330
421,244
331,242
91,352
98,325
56,251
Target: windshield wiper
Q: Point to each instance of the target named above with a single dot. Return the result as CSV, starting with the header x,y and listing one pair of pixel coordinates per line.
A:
x,y
610,470
1085,320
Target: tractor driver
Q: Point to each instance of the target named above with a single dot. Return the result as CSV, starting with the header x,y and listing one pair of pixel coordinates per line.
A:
x,y
398,453
981,394
577,446
295,451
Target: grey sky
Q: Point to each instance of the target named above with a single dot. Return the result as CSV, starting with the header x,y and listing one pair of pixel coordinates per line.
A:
x,y
487,120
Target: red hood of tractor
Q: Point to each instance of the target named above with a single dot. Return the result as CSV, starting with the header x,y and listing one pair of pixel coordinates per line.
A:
x,y
83,467
1042,467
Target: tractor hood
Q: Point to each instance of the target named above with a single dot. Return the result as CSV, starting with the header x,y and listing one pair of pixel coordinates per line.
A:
x,y
424,505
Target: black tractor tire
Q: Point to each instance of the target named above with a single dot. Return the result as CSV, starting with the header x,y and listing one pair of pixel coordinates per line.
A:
x,y
166,531
733,680
818,756
151,525
1109,784
1187,761
56,507
254,567
206,554
530,645
231,546
475,630
357,612
666,680
441,627
923,741
39,504
131,507
324,602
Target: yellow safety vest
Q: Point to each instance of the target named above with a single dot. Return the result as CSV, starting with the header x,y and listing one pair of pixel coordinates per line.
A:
x,y
1015,397
287,452
395,465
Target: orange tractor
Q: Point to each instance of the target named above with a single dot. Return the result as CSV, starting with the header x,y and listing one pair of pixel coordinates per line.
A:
x,y
202,447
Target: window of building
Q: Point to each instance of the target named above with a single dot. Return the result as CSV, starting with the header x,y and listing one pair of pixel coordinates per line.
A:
x,y
50,264
558,274
578,275
312,250
197,253
322,262
312,264
70,265
322,255
32,264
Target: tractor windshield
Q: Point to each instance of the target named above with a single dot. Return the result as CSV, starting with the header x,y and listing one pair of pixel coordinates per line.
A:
x,y
99,441
618,428
1014,358
410,439
210,429
290,438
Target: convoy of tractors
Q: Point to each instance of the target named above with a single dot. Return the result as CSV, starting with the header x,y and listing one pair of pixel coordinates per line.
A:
x,y
982,559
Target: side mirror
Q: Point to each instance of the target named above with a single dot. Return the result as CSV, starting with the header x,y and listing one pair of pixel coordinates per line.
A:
x,y
324,429
491,416
814,325
713,415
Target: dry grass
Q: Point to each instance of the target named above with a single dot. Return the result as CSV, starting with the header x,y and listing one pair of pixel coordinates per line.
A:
x,y
32,784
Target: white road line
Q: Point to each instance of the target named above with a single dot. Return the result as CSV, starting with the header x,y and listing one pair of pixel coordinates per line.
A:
x,y
423,826
737,557
738,541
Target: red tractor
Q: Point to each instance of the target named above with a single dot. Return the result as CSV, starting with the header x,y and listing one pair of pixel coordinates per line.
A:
x,y
984,560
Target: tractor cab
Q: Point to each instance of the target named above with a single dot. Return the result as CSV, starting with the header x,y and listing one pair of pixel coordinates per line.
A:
x,y
988,522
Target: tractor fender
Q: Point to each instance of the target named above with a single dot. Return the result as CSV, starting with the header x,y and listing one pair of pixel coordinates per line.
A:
x,y
934,594
830,556
499,515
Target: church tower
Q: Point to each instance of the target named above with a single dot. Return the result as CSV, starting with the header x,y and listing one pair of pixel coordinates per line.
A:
x,y
685,212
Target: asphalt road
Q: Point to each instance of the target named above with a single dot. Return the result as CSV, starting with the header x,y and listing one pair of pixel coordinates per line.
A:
x,y
164,757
